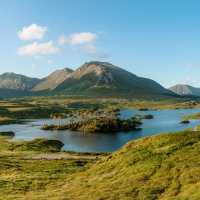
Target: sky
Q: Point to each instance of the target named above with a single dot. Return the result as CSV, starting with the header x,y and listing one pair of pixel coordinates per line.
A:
x,y
156,39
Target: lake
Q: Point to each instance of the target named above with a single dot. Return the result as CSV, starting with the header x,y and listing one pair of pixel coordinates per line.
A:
x,y
164,121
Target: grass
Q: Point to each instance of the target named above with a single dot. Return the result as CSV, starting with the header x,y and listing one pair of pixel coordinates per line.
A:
x,y
164,167
8,120
21,176
194,116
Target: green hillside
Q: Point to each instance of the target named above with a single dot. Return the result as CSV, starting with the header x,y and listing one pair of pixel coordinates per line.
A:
x,y
104,79
164,167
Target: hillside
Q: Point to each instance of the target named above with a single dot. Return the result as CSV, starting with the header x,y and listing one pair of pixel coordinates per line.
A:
x,y
101,78
92,79
53,80
162,167
19,82
185,90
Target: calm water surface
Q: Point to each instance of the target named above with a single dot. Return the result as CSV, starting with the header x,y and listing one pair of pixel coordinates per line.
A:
x,y
164,121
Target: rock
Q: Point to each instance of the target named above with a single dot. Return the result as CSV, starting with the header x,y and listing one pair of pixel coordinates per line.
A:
x,y
185,122
7,133
149,116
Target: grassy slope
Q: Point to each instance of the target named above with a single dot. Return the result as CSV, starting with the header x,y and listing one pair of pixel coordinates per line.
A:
x,y
162,167
21,176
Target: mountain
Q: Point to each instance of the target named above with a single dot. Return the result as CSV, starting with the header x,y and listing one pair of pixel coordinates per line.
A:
x,y
185,90
91,79
53,80
102,78
12,81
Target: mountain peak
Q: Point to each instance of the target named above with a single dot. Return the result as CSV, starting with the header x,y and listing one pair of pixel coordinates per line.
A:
x,y
53,80
183,89
10,80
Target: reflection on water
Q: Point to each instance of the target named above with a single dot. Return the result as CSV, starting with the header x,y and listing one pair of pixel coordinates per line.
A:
x,y
164,121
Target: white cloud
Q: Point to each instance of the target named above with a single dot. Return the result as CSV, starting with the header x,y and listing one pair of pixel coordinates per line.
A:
x,y
38,49
78,38
32,32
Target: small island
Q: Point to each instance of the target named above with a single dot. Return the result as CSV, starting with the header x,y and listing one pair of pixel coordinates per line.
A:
x,y
98,125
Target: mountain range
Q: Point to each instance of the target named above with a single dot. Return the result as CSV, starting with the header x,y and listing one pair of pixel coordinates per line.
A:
x,y
92,79
185,90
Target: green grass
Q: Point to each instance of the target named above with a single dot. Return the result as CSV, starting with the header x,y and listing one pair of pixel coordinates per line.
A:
x,y
164,167
21,176
194,116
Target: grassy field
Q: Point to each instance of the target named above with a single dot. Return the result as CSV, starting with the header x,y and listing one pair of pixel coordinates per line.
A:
x,y
164,167
13,110
36,166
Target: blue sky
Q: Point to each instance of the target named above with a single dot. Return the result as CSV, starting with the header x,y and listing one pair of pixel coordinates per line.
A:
x,y
155,39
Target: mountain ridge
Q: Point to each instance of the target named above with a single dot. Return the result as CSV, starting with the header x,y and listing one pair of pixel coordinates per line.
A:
x,y
184,89
13,81
93,78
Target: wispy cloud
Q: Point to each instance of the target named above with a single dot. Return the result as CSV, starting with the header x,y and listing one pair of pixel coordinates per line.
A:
x,y
32,32
78,38
38,49
84,41
95,52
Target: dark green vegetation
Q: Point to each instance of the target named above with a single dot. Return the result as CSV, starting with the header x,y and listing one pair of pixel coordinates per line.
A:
x,y
98,125
40,145
7,133
185,122
164,167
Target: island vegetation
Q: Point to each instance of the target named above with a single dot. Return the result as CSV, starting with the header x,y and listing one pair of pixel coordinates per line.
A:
x,y
195,116
98,125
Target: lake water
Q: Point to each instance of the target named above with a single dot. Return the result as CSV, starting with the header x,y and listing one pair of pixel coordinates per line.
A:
x,y
164,121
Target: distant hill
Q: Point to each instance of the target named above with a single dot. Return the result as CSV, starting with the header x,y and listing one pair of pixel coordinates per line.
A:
x,y
93,79
185,90
102,78
53,80
12,81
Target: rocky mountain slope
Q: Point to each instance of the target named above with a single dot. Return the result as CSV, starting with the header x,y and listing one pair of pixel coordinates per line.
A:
x,y
185,90
101,78
91,79
19,82
53,80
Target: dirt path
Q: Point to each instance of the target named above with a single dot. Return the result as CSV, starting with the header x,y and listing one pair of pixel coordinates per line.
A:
x,y
62,156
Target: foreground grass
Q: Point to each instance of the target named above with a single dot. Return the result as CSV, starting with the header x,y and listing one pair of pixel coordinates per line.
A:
x,y
21,174
164,167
